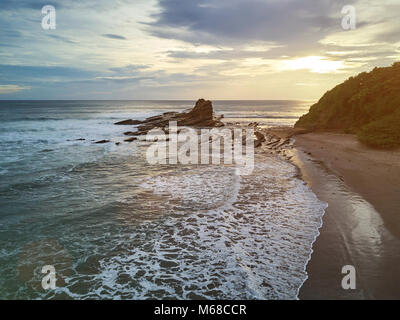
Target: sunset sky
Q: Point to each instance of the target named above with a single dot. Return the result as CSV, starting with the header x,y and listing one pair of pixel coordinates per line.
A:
x,y
187,49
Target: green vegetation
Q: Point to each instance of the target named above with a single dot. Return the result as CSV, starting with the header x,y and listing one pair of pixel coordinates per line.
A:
x,y
367,105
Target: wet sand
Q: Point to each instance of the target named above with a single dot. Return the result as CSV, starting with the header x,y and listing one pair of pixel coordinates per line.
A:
x,y
362,223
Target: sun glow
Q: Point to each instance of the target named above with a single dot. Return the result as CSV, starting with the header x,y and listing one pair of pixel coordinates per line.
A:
x,y
314,64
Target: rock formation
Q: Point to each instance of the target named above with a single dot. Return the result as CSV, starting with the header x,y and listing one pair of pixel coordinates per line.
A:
x,y
201,116
128,122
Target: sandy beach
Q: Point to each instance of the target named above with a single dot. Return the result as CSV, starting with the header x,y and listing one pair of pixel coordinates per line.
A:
x,y
362,223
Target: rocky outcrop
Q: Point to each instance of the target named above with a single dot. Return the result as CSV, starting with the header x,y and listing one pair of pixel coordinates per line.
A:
x,y
277,140
260,136
102,141
130,139
201,116
129,122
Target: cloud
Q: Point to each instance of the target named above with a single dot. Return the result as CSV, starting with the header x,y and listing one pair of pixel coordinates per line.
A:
x,y
234,21
11,88
123,79
114,36
129,69
61,38
14,5
10,34
9,45
21,72
181,48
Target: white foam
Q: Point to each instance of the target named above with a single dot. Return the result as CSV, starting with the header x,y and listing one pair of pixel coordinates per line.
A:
x,y
248,239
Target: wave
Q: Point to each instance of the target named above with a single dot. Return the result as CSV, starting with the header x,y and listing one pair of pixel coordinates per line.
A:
x,y
33,119
165,231
248,239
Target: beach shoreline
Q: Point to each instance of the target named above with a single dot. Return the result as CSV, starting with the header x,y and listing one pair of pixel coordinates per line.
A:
x,y
360,227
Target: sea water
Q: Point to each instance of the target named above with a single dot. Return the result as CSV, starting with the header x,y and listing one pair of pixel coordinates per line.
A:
x,y
115,227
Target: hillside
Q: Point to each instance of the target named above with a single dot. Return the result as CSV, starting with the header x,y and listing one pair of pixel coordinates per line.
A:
x,y
367,105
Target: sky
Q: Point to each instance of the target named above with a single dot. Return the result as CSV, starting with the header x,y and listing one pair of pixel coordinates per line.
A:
x,y
187,49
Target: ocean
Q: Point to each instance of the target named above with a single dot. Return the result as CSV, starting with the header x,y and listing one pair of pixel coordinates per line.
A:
x,y
115,227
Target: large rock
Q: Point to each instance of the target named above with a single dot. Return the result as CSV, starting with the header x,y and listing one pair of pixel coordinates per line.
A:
x,y
131,139
129,122
260,136
202,112
202,115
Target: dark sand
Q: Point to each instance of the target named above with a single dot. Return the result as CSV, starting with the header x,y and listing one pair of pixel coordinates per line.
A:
x,y
362,223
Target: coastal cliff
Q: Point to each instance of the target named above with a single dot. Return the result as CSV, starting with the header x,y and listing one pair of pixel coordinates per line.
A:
x,y
367,105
